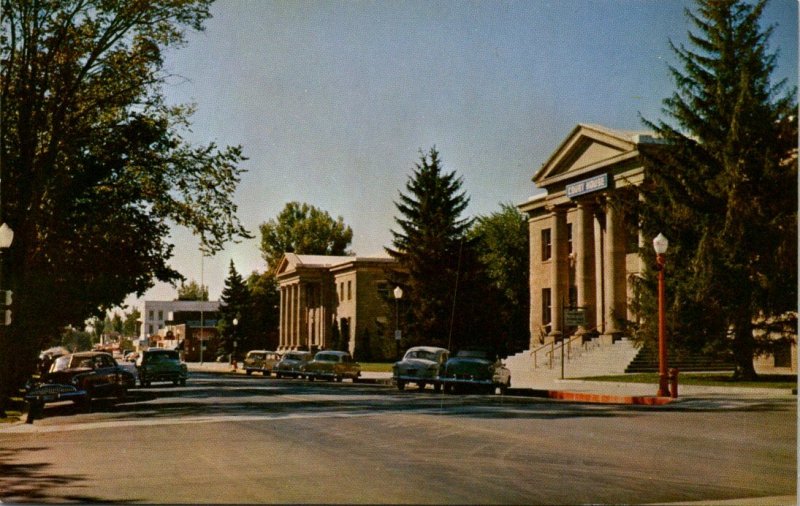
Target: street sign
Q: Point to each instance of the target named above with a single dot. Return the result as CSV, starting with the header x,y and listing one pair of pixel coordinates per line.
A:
x,y
575,317
397,334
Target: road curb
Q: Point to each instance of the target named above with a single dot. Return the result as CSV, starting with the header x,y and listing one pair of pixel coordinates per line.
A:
x,y
591,398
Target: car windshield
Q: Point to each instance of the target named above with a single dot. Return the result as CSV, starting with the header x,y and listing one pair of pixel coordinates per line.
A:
x,y
62,363
255,356
423,354
164,356
473,354
293,356
327,357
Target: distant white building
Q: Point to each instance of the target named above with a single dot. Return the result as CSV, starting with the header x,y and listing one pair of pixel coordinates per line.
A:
x,y
156,313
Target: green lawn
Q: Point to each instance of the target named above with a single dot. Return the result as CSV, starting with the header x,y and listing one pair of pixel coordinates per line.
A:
x,y
376,366
706,379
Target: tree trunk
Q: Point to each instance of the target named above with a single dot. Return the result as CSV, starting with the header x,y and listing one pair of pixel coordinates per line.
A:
x,y
743,349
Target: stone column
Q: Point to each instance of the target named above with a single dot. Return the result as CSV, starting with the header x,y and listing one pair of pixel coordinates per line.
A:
x,y
584,244
281,322
558,269
599,313
614,271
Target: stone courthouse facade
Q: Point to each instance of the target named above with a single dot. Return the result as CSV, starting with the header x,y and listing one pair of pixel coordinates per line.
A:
x,y
583,249
325,298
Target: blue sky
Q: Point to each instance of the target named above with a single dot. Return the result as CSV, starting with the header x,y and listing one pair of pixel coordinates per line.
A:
x,y
332,101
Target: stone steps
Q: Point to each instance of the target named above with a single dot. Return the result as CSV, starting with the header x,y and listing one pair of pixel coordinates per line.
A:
x,y
593,359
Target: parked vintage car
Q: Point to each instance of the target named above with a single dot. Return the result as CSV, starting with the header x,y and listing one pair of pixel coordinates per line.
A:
x,y
293,364
333,365
474,369
420,365
80,377
262,361
159,364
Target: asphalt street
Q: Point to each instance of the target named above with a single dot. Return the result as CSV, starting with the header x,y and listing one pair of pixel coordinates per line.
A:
x,y
238,439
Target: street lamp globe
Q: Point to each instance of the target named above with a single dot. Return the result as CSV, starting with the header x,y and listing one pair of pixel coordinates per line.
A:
x,y
235,322
660,244
6,236
398,292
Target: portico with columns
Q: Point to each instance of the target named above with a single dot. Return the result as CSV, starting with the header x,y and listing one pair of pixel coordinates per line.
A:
x,y
318,292
583,247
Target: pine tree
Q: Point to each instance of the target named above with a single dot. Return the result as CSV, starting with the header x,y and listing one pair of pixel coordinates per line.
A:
x,y
235,303
723,186
428,245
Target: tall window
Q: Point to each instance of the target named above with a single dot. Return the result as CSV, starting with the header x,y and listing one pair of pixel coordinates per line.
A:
x,y
349,290
160,315
547,303
547,245
569,237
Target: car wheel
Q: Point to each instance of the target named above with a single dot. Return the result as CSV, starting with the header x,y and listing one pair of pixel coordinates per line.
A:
x,y
249,372
401,385
421,385
278,375
183,382
437,387
122,393
175,382
338,379
35,410
310,377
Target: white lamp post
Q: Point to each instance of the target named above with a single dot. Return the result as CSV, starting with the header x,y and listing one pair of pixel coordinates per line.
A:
x,y
398,294
235,323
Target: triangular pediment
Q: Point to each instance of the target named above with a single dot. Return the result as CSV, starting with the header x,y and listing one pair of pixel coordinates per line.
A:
x,y
287,264
586,146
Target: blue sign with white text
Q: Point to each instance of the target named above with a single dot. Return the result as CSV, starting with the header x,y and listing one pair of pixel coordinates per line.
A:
x,y
590,185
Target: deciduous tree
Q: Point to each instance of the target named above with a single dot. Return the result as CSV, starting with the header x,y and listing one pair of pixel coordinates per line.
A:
x,y
305,230
95,168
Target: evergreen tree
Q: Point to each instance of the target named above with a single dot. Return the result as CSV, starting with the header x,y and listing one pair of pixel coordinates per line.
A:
x,y
430,246
235,304
261,324
723,186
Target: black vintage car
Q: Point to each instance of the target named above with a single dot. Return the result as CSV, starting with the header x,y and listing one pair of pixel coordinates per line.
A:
x,y
475,369
79,377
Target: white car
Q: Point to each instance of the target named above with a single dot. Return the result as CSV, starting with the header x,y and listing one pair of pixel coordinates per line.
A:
x,y
420,365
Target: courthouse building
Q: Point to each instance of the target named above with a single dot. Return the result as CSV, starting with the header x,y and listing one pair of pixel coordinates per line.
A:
x,y
329,298
583,248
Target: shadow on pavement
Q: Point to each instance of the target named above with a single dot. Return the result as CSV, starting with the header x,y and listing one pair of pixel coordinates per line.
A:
x,y
31,482
280,398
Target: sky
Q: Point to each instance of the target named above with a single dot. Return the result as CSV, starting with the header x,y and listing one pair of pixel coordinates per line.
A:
x,y
333,102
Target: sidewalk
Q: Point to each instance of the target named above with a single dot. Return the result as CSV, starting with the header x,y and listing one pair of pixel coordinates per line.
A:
x,y
581,390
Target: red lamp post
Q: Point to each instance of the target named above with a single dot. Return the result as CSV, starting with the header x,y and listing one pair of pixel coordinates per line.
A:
x,y
660,244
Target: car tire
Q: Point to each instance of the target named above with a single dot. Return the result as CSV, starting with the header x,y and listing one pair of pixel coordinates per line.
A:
x,y
183,382
338,379
421,385
310,377
401,385
278,375
35,410
122,393
437,387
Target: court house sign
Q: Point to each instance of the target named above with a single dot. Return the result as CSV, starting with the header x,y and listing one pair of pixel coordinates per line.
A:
x,y
587,186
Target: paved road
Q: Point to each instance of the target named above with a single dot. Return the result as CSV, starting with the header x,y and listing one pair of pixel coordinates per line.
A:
x,y
224,439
